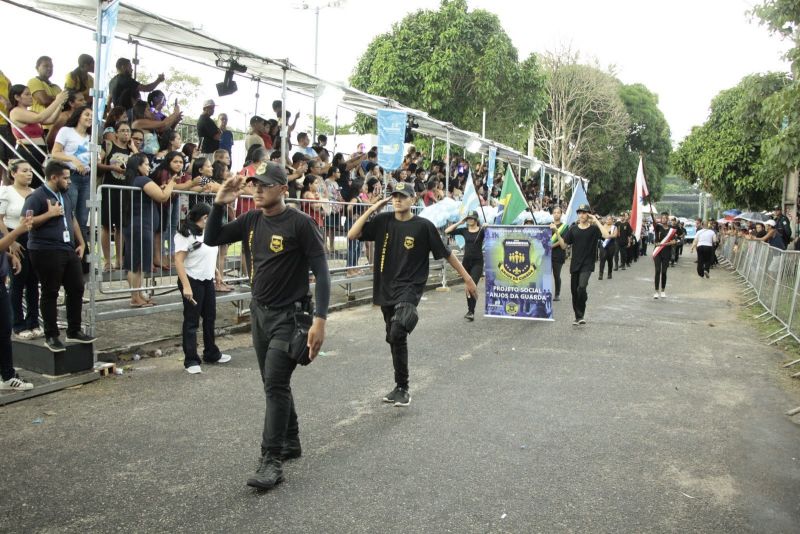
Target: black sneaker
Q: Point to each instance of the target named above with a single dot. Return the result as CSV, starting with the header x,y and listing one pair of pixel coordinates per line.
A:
x,y
291,449
469,316
80,337
391,397
610,276
556,298
268,475
708,275
600,277
54,344
402,398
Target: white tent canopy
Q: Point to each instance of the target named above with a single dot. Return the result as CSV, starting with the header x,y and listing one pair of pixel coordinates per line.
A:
x,y
181,39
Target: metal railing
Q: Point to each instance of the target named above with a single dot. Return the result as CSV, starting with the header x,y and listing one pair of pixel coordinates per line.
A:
x,y
771,278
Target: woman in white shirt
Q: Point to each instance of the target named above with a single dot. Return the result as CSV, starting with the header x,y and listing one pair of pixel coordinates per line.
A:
x,y
196,263
24,284
704,243
72,146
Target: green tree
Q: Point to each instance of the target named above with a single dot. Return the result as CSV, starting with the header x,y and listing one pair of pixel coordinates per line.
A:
x,y
648,135
726,155
453,63
781,150
325,126
585,117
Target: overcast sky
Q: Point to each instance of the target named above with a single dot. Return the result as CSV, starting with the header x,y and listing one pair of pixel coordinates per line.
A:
x,y
685,51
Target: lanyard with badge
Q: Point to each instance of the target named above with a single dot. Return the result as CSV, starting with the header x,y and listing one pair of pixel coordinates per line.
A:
x,y
60,199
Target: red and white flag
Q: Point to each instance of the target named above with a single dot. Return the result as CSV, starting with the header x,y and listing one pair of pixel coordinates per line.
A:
x,y
639,193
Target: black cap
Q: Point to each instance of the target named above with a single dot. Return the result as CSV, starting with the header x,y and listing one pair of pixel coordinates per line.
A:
x,y
777,207
473,215
403,188
269,173
584,207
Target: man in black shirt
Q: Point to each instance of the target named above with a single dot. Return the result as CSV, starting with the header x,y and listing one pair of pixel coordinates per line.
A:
x,y
583,236
782,225
680,235
473,252
662,259
207,131
56,247
280,245
403,243
624,232
123,84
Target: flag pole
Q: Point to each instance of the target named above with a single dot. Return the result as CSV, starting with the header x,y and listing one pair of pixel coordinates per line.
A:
x,y
519,186
649,196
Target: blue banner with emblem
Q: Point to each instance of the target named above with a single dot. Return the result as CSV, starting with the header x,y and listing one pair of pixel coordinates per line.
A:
x,y
519,281
391,136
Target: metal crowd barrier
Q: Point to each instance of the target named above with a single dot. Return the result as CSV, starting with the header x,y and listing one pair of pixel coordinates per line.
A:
x,y
771,278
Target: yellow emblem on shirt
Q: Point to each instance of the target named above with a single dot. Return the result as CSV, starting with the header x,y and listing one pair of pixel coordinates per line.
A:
x,y
276,243
408,242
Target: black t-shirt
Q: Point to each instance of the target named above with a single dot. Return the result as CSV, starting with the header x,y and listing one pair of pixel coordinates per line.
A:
x,y
660,232
277,249
558,255
624,231
119,86
50,235
473,243
116,156
206,130
584,247
401,257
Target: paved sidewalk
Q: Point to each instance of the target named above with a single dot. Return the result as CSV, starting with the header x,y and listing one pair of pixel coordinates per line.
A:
x,y
657,416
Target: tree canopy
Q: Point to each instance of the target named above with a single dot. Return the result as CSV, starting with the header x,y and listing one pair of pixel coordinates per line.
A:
x,y
453,63
726,155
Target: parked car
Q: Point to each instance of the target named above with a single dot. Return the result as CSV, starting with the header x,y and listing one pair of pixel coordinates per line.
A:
x,y
691,231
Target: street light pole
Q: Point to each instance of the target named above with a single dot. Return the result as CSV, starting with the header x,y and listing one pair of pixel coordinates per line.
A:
x,y
316,51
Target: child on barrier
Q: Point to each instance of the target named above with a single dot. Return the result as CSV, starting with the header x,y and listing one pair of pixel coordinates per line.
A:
x,y
196,263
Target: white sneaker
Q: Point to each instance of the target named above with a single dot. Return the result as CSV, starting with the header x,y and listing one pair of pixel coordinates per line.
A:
x,y
15,384
25,334
655,295
663,295
224,358
194,370
37,333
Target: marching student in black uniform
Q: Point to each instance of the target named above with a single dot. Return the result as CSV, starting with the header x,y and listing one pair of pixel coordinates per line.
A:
x,y
680,235
608,248
558,256
473,253
663,259
280,245
583,237
403,243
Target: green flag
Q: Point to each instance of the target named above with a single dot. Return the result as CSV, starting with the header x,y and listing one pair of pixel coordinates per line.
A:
x,y
511,198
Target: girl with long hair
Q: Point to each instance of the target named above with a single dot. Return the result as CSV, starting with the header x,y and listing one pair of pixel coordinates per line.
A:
x,y
196,265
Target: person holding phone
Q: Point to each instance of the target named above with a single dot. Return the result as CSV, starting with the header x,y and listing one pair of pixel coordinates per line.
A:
x,y
196,263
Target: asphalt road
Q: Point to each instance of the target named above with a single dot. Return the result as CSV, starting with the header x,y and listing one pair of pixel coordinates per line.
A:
x,y
657,416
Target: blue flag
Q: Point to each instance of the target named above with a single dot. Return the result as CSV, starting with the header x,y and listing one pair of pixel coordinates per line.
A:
x,y
391,136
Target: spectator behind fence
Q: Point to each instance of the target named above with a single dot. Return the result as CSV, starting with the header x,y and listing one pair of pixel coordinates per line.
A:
x,y
27,127
42,89
219,173
333,218
304,147
155,101
111,172
356,206
5,130
225,135
74,101
207,130
123,83
254,136
140,219
56,246
300,166
23,283
113,117
9,380
169,141
72,147
143,120
196,265
80,79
